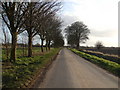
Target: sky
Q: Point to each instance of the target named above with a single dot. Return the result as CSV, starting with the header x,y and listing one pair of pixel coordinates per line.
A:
x,y
101,17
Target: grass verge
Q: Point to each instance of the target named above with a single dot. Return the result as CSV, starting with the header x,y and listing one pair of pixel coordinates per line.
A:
x,y
106,64
113,58
24,69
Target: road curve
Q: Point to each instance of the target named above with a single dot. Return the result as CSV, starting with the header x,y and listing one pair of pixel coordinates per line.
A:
x,y
71,71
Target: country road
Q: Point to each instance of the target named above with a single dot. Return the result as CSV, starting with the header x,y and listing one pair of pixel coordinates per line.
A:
x,y
71,71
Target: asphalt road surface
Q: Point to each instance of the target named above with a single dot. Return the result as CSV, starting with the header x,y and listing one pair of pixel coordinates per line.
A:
x,y
71,71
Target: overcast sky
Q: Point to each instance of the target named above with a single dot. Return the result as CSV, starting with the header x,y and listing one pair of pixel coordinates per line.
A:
x,y
101,17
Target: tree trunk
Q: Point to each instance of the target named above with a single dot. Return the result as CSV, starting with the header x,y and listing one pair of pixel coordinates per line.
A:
x,y
49,44
78,42
78,45
13,47
42,45
30,45
46,44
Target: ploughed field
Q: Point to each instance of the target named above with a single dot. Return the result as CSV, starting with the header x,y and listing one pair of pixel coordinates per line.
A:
x,y
111,54
106,50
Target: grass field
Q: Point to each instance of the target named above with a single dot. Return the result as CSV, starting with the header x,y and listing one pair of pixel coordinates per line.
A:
x,y
16,75
19,52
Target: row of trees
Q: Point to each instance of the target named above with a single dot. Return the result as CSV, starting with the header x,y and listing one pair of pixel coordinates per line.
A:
x,y
37,18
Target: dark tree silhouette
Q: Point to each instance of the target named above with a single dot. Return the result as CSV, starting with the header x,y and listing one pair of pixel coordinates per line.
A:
x,y
53,31
13,15
98,45
43,19
77,33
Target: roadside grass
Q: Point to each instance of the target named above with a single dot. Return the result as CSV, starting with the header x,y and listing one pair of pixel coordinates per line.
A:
x,y
19,52
103,63
25,68
113,58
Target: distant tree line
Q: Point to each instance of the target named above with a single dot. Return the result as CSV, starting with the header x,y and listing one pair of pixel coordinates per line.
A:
x,y
37,18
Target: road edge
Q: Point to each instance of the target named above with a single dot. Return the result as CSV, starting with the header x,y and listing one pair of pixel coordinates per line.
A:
x,y
40,75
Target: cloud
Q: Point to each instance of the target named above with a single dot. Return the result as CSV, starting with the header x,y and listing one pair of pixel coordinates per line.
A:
x,y
101,17
68,20
105,33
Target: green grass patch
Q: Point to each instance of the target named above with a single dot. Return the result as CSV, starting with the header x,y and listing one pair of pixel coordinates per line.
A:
x,y
106,64
19,52
25,68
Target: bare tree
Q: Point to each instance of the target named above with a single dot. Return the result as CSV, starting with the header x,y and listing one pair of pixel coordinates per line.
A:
x,y
36,17
98,45
13,15
47,12
53,26
29,25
